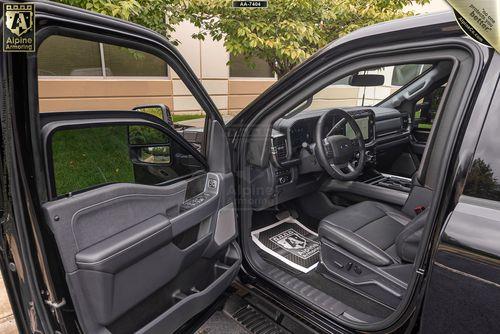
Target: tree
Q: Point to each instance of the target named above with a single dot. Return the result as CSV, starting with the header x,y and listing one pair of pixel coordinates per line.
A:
x,y
288,31
481,181
149,13
283,35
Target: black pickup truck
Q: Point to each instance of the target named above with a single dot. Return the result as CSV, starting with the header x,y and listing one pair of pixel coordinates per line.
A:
x,y
359,193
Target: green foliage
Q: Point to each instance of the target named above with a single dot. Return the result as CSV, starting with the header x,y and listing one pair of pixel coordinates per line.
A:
x,y
124,9
155,111
288,31
284,34
181,118
145,135
149,13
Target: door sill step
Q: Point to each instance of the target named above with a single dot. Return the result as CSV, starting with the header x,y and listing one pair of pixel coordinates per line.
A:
x,y
240,317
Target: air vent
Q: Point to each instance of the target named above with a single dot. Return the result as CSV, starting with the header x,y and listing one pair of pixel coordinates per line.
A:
x,y
405,122
279,147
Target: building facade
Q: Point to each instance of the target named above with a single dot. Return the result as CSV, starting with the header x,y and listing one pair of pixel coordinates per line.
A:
x,y
78,75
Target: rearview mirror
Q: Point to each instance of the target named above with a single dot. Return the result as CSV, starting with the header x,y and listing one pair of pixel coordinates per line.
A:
x,y
159,110
366,80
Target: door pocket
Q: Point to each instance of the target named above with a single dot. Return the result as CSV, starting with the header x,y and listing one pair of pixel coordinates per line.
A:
x,y
188,294
111,294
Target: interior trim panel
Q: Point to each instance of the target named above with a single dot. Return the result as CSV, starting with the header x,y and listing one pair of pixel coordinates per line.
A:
x,y
114,237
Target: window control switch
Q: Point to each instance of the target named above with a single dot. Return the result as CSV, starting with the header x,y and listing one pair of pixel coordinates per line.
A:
x,y
195,201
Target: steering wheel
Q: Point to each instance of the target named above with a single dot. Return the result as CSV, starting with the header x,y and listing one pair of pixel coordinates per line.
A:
x,y
341,157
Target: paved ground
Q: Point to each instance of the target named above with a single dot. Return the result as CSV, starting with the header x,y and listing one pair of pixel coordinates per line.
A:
x,y
7,322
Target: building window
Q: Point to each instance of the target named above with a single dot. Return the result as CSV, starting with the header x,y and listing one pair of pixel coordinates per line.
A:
x,y
78,57
251,68
66,56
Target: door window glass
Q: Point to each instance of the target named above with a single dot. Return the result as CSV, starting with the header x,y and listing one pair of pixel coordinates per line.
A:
x,y
121,79
403,74
121,61
66,56
483,180
427,108
84,158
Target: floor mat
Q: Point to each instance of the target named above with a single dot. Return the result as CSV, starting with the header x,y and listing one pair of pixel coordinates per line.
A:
x,y
221,323
290,242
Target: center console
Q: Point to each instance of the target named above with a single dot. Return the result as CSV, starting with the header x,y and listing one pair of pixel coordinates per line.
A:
x,y
389,181
374,185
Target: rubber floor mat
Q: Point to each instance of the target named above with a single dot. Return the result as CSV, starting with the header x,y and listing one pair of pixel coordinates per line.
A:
x,y
221,323
290,242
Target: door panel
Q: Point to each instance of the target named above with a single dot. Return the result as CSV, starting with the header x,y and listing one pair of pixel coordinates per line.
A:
x,y
464,291
124,244
463,294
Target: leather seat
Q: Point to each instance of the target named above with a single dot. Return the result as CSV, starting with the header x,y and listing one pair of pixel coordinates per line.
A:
x,y
374,232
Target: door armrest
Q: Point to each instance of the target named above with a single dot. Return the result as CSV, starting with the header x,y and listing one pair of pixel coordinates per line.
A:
x,y
126,247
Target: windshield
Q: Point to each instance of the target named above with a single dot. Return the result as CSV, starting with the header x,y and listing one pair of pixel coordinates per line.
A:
x,y
365,88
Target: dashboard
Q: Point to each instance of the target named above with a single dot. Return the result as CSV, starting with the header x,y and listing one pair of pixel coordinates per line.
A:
x,y
304,131
301,128
292,169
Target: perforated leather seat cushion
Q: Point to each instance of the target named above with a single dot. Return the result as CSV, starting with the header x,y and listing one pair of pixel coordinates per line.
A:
x,y
377,223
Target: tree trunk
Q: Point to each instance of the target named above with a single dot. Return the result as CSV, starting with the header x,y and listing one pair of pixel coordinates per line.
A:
x,y
280,68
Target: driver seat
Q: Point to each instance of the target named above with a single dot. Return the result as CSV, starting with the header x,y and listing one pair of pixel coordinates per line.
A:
x,y
374,232
371,247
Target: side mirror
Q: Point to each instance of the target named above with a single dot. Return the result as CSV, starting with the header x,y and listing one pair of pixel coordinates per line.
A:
x,y
159,110
148,145
366,80
154,154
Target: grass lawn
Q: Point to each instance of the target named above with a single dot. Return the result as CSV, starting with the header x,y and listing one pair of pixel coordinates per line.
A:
x,y
176,118
87,157
180,118
92,156
426,126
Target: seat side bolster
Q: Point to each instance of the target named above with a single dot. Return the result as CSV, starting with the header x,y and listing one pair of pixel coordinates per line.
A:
x,y
354,244
408,241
